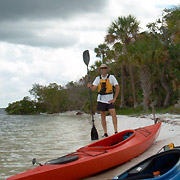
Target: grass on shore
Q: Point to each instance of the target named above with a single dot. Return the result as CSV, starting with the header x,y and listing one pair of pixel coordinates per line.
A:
x,y
139,111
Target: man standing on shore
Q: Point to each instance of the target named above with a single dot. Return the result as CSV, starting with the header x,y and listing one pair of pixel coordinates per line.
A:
x,y
105,83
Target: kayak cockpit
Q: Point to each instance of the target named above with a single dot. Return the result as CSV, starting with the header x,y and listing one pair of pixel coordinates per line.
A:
x,y
158,164
112,141
62,160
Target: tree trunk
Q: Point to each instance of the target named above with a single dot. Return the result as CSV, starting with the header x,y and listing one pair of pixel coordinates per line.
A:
x,y
145,79
131,69
123,80
165,86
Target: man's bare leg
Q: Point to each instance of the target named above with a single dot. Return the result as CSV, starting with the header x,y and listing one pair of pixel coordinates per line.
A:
x,y
114,118
103,121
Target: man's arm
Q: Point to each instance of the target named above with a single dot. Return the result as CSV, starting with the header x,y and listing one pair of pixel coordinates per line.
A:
x,y
92,87
116,94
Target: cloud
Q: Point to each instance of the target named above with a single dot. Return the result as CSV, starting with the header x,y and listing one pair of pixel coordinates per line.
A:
x,y
145,11
62,23
46,9
44,23
23,66
36,35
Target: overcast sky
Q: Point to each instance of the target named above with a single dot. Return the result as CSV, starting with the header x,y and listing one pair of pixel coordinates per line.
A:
x,y
42,41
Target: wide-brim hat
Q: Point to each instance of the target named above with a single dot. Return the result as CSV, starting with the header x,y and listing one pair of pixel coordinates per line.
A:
x,y
103,66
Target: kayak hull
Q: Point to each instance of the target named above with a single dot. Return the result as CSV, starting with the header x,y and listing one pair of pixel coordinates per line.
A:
x,y
98,156
166,164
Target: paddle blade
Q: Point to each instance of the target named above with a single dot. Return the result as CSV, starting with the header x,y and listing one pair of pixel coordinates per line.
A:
x,y
86,57
94,133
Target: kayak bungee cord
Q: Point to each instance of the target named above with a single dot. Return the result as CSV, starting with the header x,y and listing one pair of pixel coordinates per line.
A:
x,y
143,131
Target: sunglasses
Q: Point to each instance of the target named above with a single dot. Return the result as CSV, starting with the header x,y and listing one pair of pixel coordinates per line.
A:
x,y
104,68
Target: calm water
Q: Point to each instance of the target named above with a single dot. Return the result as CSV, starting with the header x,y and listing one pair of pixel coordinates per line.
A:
x,y
42,136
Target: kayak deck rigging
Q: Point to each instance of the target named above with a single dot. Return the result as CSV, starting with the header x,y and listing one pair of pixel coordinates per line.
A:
x,y
143,131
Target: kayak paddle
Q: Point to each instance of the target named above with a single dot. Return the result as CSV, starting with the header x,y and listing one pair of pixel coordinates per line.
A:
x,y
94,133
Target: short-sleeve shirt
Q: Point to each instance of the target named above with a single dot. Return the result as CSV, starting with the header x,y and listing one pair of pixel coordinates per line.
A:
x,y
107,97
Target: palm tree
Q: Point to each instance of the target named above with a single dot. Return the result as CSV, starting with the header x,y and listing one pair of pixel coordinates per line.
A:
x,y
123,31
103,52
97,64
146,52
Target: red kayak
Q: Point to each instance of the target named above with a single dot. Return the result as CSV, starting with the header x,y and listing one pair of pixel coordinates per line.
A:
x,y
98,156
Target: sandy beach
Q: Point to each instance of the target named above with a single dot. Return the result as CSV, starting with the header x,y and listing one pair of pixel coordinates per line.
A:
x,y
170,133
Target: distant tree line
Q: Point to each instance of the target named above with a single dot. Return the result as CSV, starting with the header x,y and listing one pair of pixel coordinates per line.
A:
x,y
146,65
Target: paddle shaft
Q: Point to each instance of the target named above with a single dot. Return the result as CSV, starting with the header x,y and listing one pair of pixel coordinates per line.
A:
x,y
94,133
90,95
